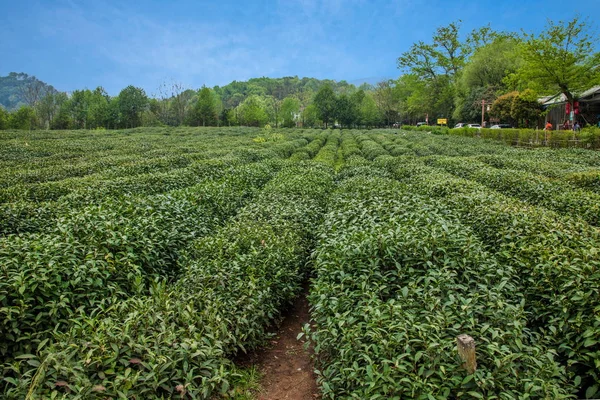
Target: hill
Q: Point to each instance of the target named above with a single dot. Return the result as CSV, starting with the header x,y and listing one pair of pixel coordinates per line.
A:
x,y
18,89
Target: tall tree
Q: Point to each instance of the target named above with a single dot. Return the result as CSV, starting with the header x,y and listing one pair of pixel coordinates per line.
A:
x,y
562,58
290,107
206,108
48,107
252,111
325,104
79,107
23,118
132,101
98,112
387,100
369,113
3,118
33,91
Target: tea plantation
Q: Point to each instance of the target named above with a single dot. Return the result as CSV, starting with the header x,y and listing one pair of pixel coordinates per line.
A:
x,y
138,264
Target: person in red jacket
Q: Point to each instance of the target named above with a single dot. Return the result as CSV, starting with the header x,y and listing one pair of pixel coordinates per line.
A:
x,y
548,129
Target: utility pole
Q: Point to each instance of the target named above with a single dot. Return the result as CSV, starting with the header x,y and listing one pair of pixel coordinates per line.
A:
x,y
482,112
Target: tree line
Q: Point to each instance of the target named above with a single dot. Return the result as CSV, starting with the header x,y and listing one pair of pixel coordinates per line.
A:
x,y
455,76
281,102
501,74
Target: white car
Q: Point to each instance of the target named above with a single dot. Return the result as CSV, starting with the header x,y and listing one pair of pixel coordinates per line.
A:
x,y
474,126
460,125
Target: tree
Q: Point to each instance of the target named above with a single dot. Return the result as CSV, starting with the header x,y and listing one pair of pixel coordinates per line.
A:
x,y
562,58
484,76
325,104
3,118
273,108
62,119
346,111
502,107
132,101
310,115
206,109
446,55
98,109
369,113
252,111
525,109
290,107
387,101
23,118
33,91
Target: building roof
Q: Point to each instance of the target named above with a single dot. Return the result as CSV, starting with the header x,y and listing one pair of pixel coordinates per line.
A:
x,y
591,95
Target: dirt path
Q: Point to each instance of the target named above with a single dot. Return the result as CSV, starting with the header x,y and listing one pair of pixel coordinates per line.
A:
x,y
286,366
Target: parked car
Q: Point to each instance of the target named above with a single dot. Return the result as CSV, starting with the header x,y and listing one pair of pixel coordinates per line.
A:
x,y
474,126
501,126
460,125
421,123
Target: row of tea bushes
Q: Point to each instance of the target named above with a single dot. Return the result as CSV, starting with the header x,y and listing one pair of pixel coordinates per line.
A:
x,y
174,343
102,254
583,176
23,216
556,257
398,279
369,148
328,153
309,151
538,190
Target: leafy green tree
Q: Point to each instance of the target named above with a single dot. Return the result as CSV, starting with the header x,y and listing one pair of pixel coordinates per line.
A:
x,y
79,108
502,107
346,111
98,109
562,58
3,118
484,76
310,115
23,118
114,114
205,109
387,100
446,55
413,97
227,117
132,102
252,112
273,108
369,113
325,103
48,107
63,119
290,107
525,109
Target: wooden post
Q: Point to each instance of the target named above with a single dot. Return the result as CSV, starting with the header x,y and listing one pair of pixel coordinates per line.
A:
x,y
466,351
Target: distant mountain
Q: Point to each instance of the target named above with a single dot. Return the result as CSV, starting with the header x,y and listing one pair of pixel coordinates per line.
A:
x,y
18,89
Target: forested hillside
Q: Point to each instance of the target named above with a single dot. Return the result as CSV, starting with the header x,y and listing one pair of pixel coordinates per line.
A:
x,y
18,89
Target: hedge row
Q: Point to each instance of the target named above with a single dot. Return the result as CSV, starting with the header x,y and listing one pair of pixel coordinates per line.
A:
x,y
102,254
538,190
175,342
556,257
398,278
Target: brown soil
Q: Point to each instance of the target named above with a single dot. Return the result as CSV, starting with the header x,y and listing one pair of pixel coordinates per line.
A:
x,y
286,366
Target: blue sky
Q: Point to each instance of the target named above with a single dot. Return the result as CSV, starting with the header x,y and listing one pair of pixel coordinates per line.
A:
x,y
76,44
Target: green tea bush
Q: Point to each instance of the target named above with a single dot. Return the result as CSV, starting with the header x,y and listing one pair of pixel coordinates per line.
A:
x,y
105,253
177,339
398,278
532,188
556,257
